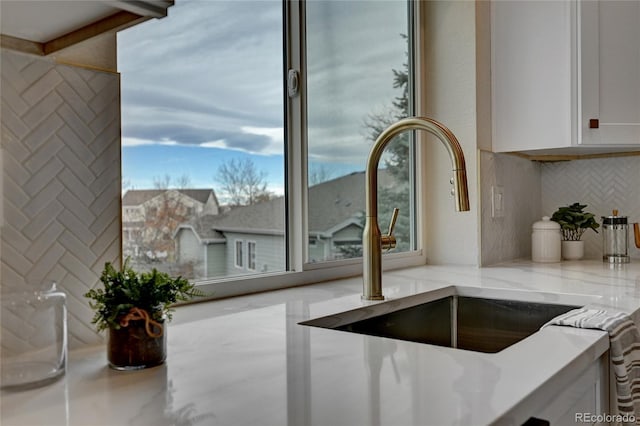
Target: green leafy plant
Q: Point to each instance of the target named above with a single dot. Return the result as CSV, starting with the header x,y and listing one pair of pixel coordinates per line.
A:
x,y
574,221
154,292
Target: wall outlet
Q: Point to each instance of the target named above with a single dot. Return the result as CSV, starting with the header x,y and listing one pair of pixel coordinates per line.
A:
x,y
497,201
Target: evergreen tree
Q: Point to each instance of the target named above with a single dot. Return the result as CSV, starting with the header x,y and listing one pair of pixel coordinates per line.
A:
x,y
396,160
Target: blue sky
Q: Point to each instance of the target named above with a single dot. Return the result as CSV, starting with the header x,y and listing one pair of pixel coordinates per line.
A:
x,y
145,162
204,85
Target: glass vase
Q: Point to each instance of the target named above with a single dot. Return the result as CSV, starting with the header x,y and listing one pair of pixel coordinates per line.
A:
x,y
133,348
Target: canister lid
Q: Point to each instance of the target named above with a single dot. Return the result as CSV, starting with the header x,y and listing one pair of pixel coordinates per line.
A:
x,y
614,219
546,223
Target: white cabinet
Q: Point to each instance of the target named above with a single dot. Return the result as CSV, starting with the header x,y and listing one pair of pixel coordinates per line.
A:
x,y
610,71
559,65
587,394
532,64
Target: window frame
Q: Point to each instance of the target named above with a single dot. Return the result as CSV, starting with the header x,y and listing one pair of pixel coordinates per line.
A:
x,y
298,272
251,252
238,261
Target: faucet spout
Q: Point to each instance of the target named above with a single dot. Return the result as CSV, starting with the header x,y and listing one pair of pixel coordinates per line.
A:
x,y
371,237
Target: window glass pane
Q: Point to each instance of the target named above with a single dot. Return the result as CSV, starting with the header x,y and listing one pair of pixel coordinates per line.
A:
x,y
251,255
239,254
357,71
202,139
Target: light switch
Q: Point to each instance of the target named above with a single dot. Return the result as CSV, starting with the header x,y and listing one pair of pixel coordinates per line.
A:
x,y
497,201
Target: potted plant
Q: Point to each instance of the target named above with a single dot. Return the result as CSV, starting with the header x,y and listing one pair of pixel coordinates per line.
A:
x,y
573,223
135,307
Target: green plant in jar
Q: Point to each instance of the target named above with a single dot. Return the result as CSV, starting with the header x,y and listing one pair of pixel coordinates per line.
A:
x,y
133,307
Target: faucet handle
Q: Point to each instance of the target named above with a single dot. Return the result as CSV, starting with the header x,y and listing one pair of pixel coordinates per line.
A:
x,y
389,241
394,218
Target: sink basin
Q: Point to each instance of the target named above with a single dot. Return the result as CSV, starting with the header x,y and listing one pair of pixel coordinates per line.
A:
x,y
463,322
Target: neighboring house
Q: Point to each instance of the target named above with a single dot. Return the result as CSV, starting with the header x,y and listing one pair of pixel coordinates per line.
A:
x,y
198,244
336,215
150,217
251,239
247,239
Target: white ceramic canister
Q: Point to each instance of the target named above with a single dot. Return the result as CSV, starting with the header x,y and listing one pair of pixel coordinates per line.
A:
x,y
546,241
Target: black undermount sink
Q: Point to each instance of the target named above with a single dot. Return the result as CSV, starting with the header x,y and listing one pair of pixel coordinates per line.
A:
x,y
471,323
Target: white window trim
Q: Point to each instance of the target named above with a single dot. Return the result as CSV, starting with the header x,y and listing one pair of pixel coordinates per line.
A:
x,y
299,272
238,265
255,245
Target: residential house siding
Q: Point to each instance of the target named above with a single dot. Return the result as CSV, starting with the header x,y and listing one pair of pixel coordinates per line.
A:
x,y
216,260
270,251
190,251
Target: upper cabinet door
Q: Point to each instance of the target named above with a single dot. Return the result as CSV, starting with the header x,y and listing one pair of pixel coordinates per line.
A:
x,y
610,71
533,67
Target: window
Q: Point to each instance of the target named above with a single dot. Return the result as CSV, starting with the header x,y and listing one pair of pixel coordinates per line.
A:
x,y
239,256
251,255
209,103
202,136
352,96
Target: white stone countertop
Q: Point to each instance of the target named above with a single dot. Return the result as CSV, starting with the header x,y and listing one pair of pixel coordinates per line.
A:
x,y
247,361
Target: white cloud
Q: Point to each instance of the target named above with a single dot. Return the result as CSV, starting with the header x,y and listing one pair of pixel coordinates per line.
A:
x,y
210,75
127,141
270,143
276,134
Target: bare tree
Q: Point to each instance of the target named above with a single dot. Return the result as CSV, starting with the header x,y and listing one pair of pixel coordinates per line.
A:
x,y
163,217
126,184
162,182
319,173
183,182
242,183
167,181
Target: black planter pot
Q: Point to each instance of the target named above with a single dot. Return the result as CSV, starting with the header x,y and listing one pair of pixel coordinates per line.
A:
x,y
132,348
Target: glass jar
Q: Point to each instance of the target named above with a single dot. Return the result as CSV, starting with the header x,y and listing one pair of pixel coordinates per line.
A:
x,y
34,337
615,238
133,348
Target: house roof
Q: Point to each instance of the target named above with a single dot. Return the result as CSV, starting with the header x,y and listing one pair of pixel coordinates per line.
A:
x,y
203,228
262,218
135,197
333,202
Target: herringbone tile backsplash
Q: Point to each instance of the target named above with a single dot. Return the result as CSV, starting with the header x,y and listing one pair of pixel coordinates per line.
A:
x,y
533,190
60,180
603,184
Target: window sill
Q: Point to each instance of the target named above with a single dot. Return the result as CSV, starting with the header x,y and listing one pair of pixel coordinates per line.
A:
x,y
313,273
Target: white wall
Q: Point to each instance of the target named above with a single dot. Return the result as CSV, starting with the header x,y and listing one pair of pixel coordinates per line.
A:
x,y
449,92
508,237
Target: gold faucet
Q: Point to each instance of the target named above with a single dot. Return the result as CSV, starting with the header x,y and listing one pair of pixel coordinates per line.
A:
x,y
372,240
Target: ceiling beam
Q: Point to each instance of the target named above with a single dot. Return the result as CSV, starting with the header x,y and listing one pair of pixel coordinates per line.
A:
x,y
128,13
21,45
116,22
153,9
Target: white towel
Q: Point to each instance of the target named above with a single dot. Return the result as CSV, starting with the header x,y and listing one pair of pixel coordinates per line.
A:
x,y
624,349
